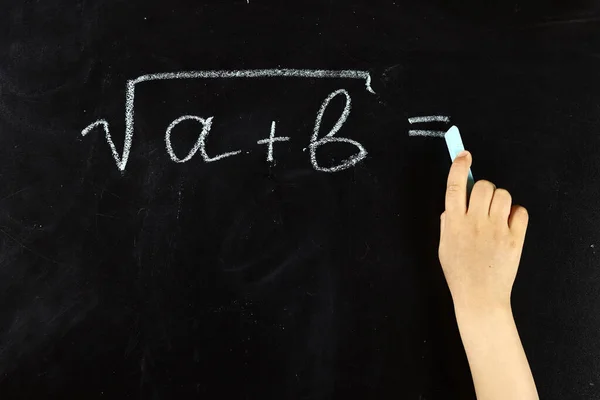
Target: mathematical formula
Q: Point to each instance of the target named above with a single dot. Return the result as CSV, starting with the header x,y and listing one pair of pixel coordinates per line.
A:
x,y
205,123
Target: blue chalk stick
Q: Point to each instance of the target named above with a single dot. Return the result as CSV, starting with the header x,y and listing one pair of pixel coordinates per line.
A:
x,y
455,146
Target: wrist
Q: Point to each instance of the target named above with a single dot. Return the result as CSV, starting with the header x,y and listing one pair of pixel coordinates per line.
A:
x,y
476,314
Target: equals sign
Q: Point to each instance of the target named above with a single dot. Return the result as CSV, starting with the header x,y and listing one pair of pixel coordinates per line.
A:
x,y
430,118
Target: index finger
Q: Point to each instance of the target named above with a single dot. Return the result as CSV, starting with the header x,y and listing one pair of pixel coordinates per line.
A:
x,y
456,189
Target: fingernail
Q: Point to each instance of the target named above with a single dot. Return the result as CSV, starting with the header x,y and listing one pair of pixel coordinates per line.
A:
x,y
463,153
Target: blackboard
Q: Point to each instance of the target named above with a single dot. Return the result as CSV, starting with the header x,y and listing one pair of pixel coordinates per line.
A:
x,y
244,277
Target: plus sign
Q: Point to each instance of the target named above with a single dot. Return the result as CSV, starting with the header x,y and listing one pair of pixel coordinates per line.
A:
x,y
272,139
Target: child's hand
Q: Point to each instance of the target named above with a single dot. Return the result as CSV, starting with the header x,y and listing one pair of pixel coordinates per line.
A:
x,y
480,247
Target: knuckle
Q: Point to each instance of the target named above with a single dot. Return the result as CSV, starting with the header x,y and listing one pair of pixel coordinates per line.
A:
x,y
521,213
484,186
453,188
477,226
503,194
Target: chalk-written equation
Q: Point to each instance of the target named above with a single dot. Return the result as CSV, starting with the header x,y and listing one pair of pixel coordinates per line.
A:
x,y
206,122
317,139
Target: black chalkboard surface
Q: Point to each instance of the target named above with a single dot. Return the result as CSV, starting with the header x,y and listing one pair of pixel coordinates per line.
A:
x,y
234,199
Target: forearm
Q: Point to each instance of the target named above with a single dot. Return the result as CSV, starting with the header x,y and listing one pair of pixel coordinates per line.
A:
x,y
496,357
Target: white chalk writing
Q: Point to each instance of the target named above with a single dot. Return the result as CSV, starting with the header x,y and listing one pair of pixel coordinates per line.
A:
x,y
272,139
200,143
121,160
418,132
206,123
428,118
315,142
